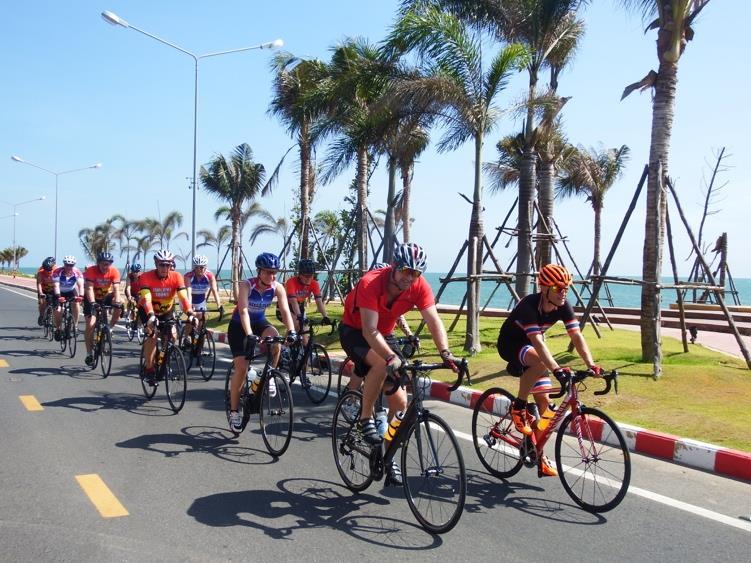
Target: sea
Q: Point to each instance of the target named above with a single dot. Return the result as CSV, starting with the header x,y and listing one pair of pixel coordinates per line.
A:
x,y
497,296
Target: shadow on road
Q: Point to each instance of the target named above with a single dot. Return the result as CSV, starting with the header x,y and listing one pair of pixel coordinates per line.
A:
x,y
134,404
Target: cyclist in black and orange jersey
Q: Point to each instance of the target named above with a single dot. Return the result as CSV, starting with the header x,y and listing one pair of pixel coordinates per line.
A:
x,y
132,285
299,288
159,287
101,284
45,285
521,342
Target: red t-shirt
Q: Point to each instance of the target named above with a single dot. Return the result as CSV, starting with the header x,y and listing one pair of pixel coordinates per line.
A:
x,y
370,293
296,289
102,283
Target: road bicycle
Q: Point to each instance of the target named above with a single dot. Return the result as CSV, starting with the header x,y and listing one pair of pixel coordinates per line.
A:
x,y
199,348
409,346
591,455
68,330
133,326
101,349
272,400
48,320
310,362
433,474
169,366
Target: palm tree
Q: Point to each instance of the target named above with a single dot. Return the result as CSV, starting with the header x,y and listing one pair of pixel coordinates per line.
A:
x,y
19,253
295,84
236,181
216,240
99,239
411,147
142,248
462,93
592,173
271,225
125,234
672,19
164,230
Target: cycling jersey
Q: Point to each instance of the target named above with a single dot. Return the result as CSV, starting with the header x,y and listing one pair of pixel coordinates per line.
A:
x,y
102,283
68,283
134,279
258,301
44,278
297,289
158,294
199,285
371,293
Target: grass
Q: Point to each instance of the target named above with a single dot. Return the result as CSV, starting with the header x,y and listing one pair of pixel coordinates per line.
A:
x,y
702,395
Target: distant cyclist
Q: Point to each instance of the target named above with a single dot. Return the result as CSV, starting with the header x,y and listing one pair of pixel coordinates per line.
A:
x,y
101,288
45,285
521,342
132,283
299,289
68,286
200,282
249,323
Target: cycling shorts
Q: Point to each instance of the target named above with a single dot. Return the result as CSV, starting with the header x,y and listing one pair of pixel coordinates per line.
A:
x,y
356,347
106,302
236,335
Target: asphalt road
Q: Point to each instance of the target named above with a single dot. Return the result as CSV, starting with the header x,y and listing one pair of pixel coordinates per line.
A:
x,y
188,490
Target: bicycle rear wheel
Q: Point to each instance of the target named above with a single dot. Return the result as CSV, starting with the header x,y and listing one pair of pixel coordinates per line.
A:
x,y
63,338
130,325
148,390
206,357
351,453
49,325
276,414
494,435
105,351
242,404
72,336
95,348
435,482
175,378
593,460
316,379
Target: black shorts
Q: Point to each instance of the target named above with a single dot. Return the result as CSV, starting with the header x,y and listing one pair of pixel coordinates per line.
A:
x,y
143,317
356,347
513,352
69,295
236,335
106,302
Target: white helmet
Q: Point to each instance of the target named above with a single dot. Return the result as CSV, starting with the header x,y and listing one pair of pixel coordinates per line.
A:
x,y
164,255
200,260
69,260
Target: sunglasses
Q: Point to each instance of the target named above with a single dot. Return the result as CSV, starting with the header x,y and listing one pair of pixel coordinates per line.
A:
x,y
272,272
414,274
164,265
556,289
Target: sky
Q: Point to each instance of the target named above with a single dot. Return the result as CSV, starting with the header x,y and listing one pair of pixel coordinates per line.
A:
x,y
77,91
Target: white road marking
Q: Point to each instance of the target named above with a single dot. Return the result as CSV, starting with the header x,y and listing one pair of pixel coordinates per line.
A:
x,y
22,294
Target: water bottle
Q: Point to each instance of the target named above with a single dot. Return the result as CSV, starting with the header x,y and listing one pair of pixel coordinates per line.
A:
x,y
394,426
381,421
254,379
546,418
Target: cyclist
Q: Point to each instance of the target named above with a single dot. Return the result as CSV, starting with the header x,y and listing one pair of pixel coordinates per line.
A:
x,y
68,286
521,342
101,288
45,285
200,281
249,322
299,288
158,289
370,312
133,287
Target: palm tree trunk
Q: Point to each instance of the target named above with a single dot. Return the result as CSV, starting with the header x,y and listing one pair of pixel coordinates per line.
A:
x,y
598,234
389,223
662,122
304,143
235,267
406,189
527,194
474,257
362,205
545,198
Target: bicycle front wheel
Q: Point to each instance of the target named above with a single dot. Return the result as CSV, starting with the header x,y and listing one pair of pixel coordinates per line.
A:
x,y
49,325
351,453
494,435
148,390
206,355
435,482
70,333
276,413
593,460
130,326
175,379
105,351
316,379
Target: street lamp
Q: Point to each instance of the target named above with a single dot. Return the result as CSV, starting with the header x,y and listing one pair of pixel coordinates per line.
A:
x,y
57,176
15,206
114,19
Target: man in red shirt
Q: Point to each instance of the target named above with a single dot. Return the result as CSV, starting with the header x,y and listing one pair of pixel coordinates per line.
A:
x,y
45,286
299,288
371,310
102,288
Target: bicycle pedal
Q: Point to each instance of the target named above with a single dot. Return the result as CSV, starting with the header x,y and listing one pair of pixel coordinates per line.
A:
x,y
489,440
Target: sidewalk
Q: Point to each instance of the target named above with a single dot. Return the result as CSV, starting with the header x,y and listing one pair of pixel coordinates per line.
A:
x,y
685,451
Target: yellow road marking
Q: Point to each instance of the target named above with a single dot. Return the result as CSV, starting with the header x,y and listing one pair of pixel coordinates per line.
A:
x,y
3,364
31,403
100,496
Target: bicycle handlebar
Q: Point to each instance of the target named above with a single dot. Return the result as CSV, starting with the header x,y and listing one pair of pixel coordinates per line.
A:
x,y
418,366
611,379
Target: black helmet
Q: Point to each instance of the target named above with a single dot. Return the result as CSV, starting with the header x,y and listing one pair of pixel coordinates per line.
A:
x,y
268,261
105,256
306,266
135,268
48,263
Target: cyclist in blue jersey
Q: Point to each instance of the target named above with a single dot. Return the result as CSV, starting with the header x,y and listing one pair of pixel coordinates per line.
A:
x,y
67,286
200,282
249,323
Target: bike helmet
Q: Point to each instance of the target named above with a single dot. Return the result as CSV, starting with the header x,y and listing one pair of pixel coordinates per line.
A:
x,y
306,266
410,255
554,275
379,266
199,260
105,256
164,255
135,268
69,260
268,261
48,263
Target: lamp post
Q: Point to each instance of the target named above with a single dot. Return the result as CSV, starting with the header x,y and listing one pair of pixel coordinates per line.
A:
x,y
57,177
14,215
114,19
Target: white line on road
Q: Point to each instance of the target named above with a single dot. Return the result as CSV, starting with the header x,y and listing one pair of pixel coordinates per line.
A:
x,y
22,294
